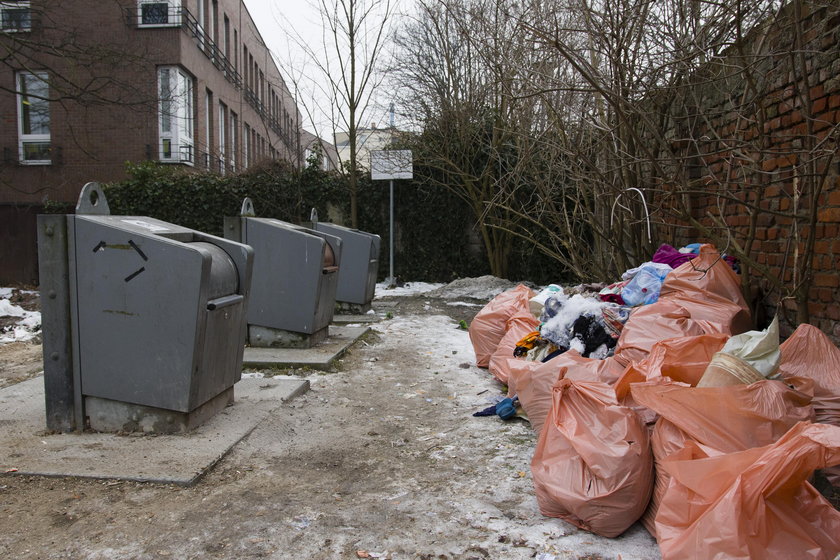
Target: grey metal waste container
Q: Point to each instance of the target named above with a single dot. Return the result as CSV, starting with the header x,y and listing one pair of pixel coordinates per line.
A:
x,y
359,263
295,279
156,316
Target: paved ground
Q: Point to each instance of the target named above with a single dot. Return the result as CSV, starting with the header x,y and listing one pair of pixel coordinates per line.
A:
x,y
382,458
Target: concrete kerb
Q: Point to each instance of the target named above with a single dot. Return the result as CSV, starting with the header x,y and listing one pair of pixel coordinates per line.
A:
x,y
321,357
180,459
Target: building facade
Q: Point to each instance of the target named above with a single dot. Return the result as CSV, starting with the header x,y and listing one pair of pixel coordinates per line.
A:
x,y
319,149
89,86
367,140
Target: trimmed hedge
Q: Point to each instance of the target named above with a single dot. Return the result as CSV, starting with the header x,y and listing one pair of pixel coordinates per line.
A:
x,y
432,224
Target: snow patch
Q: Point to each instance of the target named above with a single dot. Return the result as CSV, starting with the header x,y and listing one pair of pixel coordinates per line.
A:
x,y
483,287
28,323
407,289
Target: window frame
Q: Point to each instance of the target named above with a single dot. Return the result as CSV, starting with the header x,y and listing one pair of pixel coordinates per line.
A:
x,y
223,111
234,138
176,124
173,13
30,138
15,5
246,147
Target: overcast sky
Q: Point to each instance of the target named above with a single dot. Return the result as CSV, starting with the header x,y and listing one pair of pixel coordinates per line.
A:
x,y
275,18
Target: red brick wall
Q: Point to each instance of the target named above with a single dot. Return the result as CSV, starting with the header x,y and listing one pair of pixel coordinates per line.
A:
x,y
757,154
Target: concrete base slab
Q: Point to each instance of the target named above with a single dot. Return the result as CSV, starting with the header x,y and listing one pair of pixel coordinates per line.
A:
x,y
267,337
27,449
355,319
345,307
106,415
318,357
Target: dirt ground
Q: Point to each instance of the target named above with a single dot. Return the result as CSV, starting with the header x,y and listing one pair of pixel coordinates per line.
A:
x,y
381,459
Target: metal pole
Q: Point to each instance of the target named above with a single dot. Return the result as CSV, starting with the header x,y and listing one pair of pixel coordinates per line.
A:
x,y
392,281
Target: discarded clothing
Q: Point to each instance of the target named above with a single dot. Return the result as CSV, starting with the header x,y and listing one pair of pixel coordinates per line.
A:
x,y
542,353
554,354
612,293
591,332
504,409
614,318
578,323
672,257
527,343
489,411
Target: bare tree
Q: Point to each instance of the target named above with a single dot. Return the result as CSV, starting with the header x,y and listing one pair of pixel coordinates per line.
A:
x,y
459,70
634,122
346,74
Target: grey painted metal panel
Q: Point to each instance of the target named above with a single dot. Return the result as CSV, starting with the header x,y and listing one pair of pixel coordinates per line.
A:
x,y
146,335
59,388
360,263
291,288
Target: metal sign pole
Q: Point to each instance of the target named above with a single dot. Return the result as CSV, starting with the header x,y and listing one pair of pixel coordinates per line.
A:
x,y
390,165
391,280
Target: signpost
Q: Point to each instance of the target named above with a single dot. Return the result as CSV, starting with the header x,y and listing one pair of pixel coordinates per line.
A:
x,y
389,165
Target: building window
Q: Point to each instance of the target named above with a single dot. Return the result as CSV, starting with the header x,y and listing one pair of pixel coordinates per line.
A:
x,y
177,122
15,16
234,140
33,118
208,127
159,13
235,50
200,16
246,147
222,137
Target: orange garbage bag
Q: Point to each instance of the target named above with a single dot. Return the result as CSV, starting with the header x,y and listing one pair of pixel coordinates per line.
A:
x,y
532,382
810,354
682,359
520,324
720,419
752,504
701,296
592,466
490,324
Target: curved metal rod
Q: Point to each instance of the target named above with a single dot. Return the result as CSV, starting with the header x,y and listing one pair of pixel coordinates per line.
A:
x,y
644,203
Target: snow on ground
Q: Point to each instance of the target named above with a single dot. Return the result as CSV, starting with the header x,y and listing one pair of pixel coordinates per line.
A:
x,y
25,325
407,289
482,287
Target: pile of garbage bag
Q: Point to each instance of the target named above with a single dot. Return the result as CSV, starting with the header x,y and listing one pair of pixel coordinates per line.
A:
x,y
654,402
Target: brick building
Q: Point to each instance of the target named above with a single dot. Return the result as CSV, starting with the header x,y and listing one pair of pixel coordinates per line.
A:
x,y
87,86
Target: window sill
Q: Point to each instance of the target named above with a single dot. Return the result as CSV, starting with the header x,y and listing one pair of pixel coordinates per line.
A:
x,y
157,25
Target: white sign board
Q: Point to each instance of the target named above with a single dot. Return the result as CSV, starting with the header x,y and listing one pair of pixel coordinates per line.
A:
x,y
391,164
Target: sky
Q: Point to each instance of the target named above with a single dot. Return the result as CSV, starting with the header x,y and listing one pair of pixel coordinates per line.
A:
x,y
277,20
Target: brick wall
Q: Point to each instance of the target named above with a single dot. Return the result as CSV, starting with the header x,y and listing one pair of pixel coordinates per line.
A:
x,y
759,138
